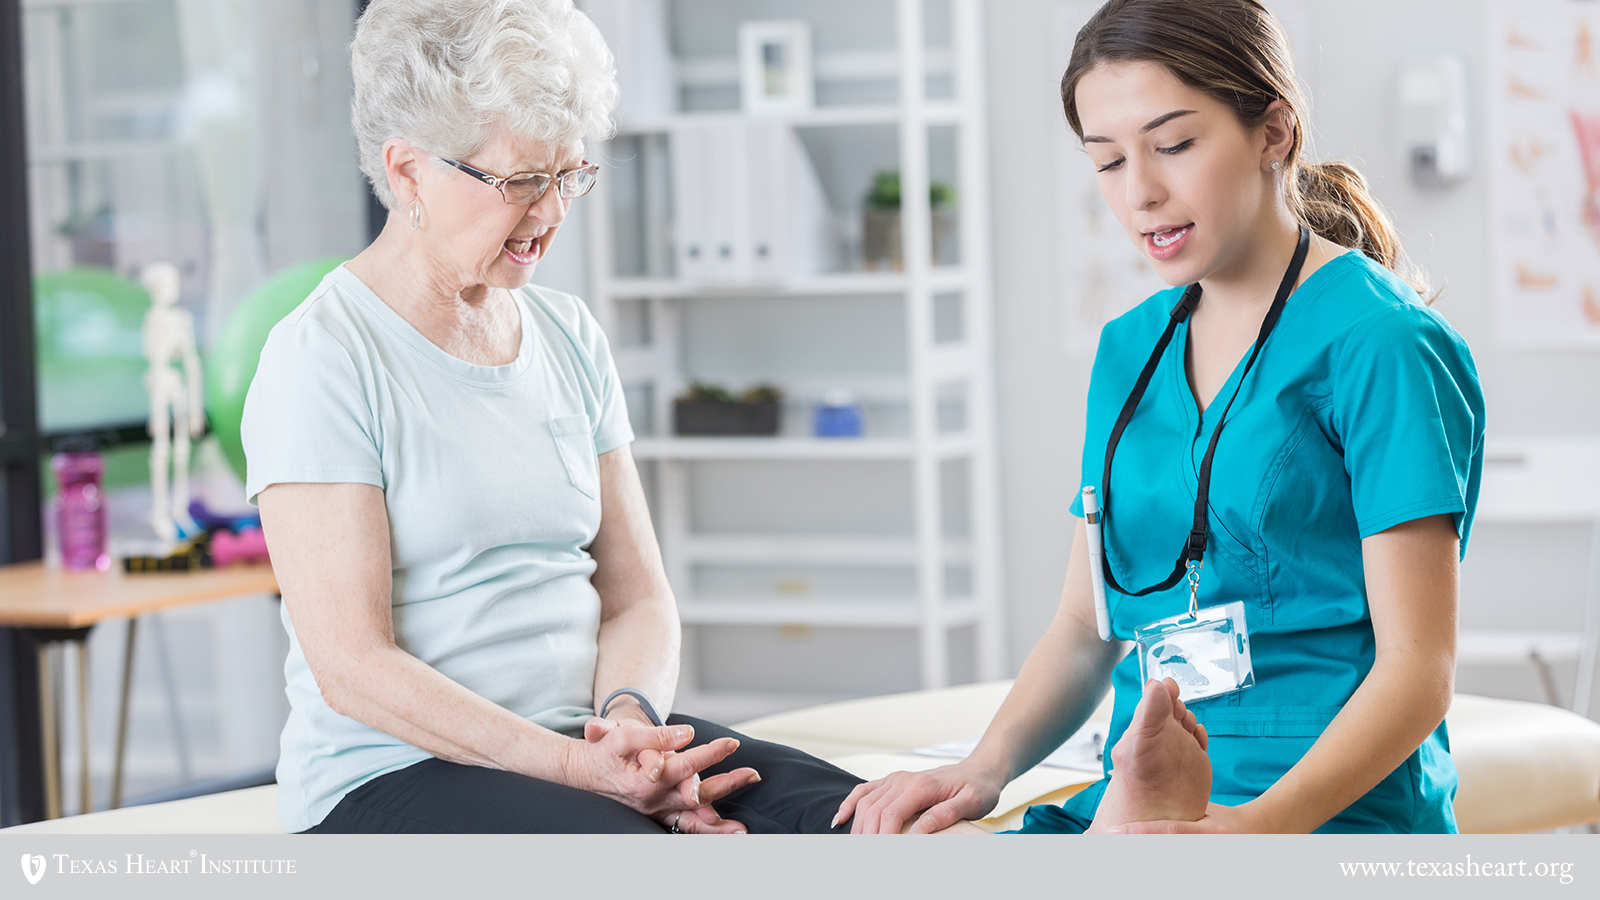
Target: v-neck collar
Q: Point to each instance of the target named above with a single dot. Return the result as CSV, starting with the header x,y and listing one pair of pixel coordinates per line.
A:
x,y
1178,372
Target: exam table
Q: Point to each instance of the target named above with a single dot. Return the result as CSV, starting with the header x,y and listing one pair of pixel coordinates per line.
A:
x,y
1524,766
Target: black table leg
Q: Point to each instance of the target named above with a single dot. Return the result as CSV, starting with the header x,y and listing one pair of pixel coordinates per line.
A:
x,y
21,753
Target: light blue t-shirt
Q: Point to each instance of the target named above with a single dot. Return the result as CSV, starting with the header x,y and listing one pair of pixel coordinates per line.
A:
x,y
1363,411
491,479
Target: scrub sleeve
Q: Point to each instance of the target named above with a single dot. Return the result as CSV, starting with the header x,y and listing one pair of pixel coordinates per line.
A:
x,y
1404,402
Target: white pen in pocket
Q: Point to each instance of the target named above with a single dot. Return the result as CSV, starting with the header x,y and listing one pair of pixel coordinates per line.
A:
x,y
1097,576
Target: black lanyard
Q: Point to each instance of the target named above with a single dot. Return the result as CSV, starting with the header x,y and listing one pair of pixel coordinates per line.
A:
x,y
1195,547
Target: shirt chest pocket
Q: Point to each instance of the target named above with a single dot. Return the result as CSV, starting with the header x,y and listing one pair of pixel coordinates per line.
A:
x,y
575,443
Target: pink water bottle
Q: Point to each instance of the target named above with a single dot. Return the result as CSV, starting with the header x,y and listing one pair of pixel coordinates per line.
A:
x,y
81,509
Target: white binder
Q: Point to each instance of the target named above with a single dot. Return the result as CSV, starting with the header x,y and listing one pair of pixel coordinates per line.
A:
x,y
750,209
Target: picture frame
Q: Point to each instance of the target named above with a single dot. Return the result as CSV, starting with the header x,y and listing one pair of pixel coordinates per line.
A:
x,y
775,70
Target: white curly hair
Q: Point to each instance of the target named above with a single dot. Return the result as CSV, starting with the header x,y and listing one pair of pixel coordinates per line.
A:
x,y
442,74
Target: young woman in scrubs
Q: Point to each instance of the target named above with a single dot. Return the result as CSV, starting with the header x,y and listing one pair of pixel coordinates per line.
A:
x,y
1341,492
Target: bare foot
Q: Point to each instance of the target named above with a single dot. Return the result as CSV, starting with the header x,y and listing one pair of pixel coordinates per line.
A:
x,y
1161,770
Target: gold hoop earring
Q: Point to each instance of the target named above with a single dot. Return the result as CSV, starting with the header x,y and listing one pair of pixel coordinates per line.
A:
x,y
416,214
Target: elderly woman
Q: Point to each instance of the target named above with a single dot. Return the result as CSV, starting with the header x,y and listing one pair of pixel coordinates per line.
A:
x,y
440,454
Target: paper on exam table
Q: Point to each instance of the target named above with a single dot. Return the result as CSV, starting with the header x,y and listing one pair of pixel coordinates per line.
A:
x,y
1081,751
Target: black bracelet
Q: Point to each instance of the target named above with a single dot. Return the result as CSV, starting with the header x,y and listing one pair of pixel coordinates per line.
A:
x,y
644,703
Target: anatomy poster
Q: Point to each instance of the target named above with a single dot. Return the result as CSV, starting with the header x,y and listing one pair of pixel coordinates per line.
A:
x,y
1543,92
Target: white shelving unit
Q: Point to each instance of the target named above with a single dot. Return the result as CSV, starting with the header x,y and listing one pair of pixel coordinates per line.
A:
x,y
939,431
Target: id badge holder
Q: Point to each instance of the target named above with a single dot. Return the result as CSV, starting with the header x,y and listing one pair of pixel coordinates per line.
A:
x,y
1207,651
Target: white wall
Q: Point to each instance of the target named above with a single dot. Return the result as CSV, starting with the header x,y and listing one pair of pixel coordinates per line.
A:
x,y
1350,52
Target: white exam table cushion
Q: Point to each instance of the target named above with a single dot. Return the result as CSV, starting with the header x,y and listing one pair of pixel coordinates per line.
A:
x,y
1524,766
247,811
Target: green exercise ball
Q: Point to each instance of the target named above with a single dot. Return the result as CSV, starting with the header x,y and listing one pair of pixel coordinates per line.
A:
x,y
88,324
233,358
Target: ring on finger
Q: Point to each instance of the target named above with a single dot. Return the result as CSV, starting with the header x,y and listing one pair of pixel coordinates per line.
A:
x,y
674,829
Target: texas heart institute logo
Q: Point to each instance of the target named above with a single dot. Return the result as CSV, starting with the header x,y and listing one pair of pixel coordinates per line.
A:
x,y
32,868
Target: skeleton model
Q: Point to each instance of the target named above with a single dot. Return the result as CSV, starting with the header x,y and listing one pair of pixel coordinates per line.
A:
x,y
176,414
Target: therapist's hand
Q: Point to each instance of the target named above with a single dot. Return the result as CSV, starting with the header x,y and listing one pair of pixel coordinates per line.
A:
x,y
653,770
1218,819
931,801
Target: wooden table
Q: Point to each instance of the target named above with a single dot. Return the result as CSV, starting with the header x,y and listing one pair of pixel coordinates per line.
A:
x,y
61,606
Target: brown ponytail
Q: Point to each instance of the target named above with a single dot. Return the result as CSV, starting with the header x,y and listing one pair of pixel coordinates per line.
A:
x,y
1235,51
1332,199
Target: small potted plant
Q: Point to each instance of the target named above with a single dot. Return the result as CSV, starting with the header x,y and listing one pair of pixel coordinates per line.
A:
x,y
880,223
706,409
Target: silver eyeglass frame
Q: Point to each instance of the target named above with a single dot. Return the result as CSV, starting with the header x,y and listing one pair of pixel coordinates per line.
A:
x,y
499,183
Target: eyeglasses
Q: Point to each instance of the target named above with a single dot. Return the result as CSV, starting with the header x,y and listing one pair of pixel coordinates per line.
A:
x,y
524,188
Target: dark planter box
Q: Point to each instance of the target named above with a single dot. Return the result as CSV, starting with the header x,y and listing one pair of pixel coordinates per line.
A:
x,y
724,417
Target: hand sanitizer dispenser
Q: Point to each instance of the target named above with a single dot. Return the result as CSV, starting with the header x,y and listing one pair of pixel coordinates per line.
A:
x,y
1433,121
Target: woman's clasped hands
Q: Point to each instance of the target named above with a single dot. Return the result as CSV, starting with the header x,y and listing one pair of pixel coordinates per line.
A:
x,y
646,767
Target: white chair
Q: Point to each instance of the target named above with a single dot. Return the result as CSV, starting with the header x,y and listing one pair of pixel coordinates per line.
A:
x,y
1543,481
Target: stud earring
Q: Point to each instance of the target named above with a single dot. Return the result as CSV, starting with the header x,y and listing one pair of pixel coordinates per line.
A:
x,y
1276,165
416,213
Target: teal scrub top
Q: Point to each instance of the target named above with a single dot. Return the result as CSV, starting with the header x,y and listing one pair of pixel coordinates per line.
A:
x,y
1363,411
